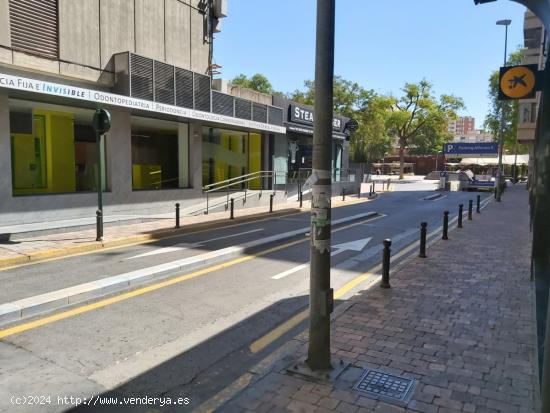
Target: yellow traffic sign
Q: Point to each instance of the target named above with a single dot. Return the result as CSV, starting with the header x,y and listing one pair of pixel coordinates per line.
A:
x,y
518,82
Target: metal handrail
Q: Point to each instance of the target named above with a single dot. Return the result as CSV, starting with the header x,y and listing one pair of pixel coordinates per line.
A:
x,y
240,180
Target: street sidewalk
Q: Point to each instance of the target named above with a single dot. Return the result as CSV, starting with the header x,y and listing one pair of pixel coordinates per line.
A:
x,y
460,323
42,247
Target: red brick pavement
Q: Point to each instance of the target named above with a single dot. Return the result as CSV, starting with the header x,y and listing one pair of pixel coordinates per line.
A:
x,y
460,323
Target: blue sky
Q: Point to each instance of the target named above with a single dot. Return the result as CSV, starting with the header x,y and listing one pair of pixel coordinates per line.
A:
x,y
379,44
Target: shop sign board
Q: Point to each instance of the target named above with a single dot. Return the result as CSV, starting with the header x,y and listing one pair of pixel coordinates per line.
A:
x,y
111,99
303,115
479,150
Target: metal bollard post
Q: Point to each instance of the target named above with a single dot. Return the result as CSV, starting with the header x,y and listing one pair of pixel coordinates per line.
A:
x,y
343,193
470,209
359,192
445,225
386,264
423,232
232,209
301,199
177,215
373,187
271,203
460,212
478,206
388,185
99,225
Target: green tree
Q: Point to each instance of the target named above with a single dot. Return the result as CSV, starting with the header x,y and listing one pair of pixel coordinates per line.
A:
x,y
418,116
511,109
371,140
349,97
257,82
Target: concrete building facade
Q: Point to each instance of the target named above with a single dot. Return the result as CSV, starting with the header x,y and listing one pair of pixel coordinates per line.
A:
x,y
173,129
147,62
535,45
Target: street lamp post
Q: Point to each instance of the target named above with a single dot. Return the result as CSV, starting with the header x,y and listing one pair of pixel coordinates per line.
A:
x,y
321,295
498,182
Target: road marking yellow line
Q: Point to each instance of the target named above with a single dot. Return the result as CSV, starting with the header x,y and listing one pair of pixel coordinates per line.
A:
x,y
150,288
288,325
279,331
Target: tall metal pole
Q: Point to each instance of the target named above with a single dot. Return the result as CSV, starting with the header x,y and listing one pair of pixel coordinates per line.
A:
x,y
99,235
320,298
502,119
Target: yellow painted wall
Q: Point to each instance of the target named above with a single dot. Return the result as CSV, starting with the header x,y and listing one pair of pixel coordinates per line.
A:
x,y
60,150
146,176
53,159
254,157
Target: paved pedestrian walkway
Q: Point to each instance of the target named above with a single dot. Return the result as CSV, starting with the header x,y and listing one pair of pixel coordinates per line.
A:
x,y
460,323
53,245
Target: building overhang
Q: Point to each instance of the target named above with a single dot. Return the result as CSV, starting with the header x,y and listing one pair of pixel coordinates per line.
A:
x,y
39,89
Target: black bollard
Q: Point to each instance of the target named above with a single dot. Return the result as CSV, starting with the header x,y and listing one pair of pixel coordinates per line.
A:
x,y
232,209
386,264
470,209
271,202
423,233
177,215
373,187
343,193
478,206
388,185
301,199
359,192
99,225
445,225
460,211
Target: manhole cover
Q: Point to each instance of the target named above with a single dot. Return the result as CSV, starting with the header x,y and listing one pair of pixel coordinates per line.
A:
x,y
384,385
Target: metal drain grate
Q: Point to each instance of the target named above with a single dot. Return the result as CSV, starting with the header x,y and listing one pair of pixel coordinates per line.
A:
x,y
384,385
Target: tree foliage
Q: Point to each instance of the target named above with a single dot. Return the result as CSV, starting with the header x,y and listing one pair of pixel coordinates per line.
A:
x,y
419,120
349,97
510,107
257,82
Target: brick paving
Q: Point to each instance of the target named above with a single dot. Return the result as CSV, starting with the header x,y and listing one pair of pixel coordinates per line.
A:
x,y
460,323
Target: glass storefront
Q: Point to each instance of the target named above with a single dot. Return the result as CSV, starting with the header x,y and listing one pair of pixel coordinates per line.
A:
x,y
300,157
159,154
53,149
229,154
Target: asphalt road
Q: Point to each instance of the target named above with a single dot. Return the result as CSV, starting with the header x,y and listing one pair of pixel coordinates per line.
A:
x,y
193,337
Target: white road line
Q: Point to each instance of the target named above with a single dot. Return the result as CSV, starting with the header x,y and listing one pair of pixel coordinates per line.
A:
x,y
166,250
357,246
290,271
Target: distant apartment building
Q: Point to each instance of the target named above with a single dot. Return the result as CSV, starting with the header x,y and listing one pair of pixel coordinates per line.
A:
x,y
462,126
477,135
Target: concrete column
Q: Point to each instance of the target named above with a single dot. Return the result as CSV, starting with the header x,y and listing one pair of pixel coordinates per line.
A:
x,y
183,155
195,155
5,149
119,156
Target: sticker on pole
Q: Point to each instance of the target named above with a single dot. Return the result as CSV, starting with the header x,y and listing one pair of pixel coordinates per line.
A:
x,y
518,82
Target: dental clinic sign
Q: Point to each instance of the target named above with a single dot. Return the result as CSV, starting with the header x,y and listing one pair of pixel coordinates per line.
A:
x,y
111,99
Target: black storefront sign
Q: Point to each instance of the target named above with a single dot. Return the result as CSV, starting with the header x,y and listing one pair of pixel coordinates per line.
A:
x,y
303,115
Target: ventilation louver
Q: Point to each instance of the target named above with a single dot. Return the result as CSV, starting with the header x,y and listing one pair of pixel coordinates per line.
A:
x,y
202,92
141,77
164,83
222,104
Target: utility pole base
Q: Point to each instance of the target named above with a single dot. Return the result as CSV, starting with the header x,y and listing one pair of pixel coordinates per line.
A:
x,y
301,369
